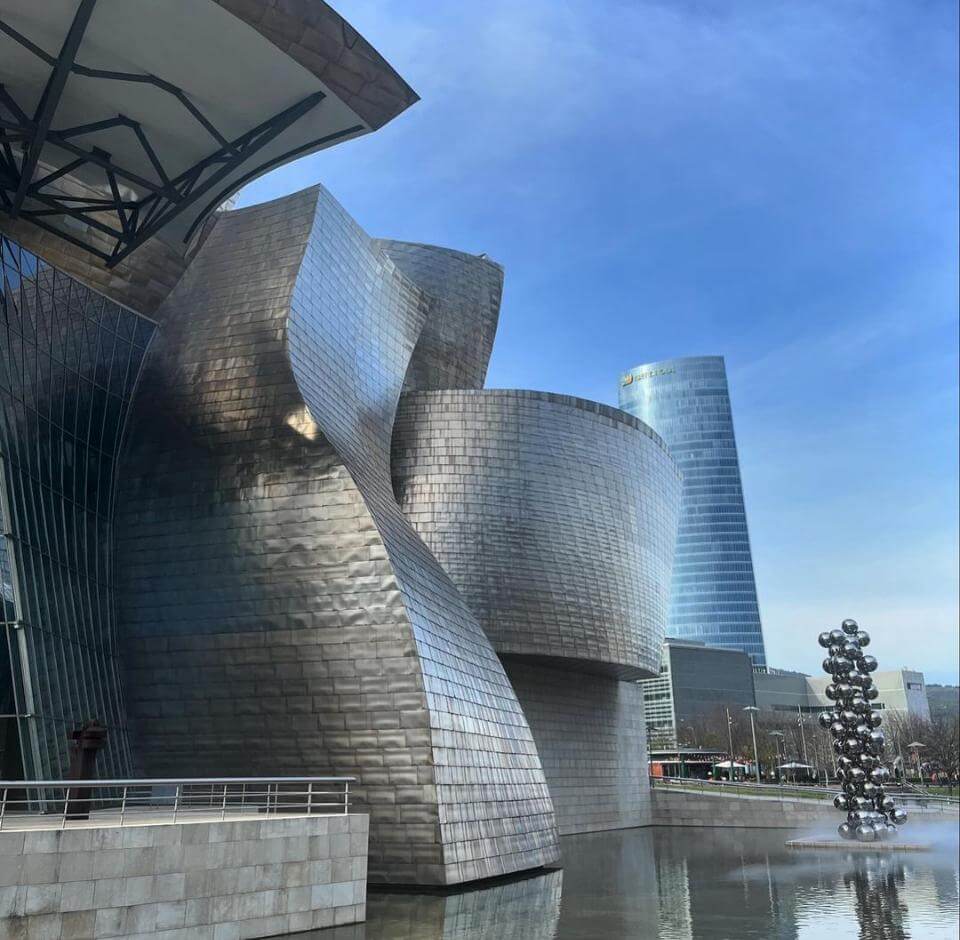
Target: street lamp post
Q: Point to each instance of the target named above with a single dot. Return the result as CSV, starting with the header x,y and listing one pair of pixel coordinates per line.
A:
x,y
730,740
752,710
915,746
778,736
803,739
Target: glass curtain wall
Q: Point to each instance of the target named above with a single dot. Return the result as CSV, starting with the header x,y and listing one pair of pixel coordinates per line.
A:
x,y
714,594
70,360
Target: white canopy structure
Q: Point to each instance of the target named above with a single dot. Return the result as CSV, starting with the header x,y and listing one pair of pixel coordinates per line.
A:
x,y
136,118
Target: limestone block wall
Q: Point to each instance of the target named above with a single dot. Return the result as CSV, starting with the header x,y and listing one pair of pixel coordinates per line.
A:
x,y
193,881
717,811
593,746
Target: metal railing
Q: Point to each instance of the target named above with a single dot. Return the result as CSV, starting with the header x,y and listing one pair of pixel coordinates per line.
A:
x,y
798,791
48,804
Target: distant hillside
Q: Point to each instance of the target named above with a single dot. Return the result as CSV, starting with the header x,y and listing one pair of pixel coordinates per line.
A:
x,y
943,699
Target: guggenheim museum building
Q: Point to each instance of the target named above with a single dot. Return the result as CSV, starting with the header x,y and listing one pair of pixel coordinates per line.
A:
x,y
258,513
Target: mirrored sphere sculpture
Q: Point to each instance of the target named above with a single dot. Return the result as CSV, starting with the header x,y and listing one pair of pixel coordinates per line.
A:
x,y
871,813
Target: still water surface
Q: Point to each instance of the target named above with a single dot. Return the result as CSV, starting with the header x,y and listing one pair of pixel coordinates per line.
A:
x,y
679,884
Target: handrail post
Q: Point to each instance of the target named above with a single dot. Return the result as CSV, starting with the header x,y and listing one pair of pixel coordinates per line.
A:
x,y
346,796
310,798
176,801
123,805
223,805
3,806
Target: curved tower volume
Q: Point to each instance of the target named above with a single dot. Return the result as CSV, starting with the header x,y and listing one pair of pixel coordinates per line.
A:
x,y
281,614
714,594
556,518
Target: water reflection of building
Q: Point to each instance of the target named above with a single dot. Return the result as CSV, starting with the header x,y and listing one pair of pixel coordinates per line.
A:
x,y
731,884
876,882
526,909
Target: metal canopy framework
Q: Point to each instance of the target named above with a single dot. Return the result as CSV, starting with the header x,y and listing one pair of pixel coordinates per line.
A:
x,y
132,196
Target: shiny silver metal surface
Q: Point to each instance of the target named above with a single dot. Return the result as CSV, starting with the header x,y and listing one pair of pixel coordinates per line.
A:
x,y
556,518
463,295
281,613
852,724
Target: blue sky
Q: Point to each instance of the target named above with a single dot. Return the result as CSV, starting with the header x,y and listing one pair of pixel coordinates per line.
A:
x,y
767,180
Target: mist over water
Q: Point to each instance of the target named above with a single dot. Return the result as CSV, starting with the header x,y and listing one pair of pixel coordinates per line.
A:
x,y
685,883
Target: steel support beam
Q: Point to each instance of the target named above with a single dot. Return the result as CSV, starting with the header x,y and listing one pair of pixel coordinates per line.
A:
x,y
50,99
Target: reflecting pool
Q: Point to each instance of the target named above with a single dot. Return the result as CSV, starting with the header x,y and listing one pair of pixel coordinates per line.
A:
x,y
688,883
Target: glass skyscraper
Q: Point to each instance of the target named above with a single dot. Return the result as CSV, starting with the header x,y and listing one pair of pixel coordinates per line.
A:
x,y
714,594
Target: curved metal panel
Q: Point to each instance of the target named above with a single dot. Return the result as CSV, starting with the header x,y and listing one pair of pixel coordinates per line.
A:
x,y
555,517
463,295
281,612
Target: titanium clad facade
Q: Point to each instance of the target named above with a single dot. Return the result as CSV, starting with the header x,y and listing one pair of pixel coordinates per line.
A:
x,y
281,613
714,595
454,346
592,741
69,365
556,519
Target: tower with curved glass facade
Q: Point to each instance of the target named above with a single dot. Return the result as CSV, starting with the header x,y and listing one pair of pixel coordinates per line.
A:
x,y
714,594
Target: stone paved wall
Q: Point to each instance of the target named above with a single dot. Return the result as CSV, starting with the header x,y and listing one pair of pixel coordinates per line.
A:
x,y
592,741
716,810
190,881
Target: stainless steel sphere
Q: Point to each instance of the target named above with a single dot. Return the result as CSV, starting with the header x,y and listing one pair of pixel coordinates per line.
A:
x,y
866,833
849,627
869,790
863,732
841,801
846,831
851,649
837,637
870,693
838,729
825,719
898,816
849,717
887,804
863,638
877,740
879,775
876,719
825,639
831,692
869,664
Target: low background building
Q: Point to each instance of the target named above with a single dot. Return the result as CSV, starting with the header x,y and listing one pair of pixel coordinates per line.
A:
x,y
900,690
695,683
